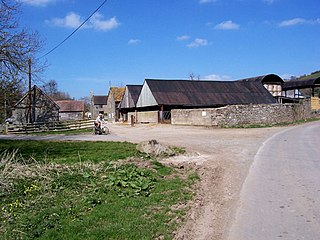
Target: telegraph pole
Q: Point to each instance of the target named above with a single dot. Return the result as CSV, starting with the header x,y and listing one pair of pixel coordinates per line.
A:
x,y
30,94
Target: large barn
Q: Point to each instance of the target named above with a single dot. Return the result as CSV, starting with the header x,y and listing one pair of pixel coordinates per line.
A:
x,y
165,95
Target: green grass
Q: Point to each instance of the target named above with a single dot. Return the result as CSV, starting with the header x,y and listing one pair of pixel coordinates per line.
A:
x,y
275,124
69,132
70,151
101,200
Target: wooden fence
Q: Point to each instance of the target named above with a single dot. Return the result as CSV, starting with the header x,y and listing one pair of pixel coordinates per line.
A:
x,y
49,127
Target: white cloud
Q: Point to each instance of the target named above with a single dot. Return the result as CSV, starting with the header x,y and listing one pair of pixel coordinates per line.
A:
x,y
97,22
298,21
227,25
71,20
207,1
198,42
134,41
37,2
217,77
292,22
183,38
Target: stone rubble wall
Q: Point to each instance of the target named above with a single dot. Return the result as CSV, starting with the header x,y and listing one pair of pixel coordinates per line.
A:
x,y
239,115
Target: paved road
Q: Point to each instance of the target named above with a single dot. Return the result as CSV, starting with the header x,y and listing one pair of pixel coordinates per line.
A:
x,y
280,198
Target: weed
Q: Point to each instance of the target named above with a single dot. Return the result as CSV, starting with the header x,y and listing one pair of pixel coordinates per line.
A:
x,y
87,200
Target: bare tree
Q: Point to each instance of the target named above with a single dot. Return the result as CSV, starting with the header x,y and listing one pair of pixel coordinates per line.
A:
x,y
17,47
194,77
51,89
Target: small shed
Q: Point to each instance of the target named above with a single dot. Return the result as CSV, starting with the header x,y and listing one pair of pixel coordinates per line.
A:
x,y
114,98
129,100
70,110
35,106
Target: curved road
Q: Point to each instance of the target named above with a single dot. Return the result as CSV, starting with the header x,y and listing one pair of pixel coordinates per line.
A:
x,y
280,198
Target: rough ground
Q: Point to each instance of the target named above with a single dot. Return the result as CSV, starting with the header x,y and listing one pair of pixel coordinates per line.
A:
x,y
221,156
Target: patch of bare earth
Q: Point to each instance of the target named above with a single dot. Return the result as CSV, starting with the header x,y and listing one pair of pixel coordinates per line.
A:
x,y
221,157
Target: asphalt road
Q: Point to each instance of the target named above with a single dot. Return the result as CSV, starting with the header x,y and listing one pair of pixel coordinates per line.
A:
x,y
280,198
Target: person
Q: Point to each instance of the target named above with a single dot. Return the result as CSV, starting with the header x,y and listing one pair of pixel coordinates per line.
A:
x,y
99,122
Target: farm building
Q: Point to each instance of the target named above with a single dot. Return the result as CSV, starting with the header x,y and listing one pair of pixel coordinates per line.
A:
x,y
165,95
272,82
70,110
98,105
311,87
169,94
114,99
129,100
35,106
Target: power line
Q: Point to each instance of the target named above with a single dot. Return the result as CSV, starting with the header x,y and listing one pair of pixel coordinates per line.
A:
x,y
70,35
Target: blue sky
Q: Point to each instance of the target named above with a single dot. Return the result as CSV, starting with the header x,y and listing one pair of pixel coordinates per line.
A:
x,y
127,41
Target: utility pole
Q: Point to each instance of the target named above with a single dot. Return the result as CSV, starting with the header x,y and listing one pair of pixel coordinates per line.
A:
x,y
30,97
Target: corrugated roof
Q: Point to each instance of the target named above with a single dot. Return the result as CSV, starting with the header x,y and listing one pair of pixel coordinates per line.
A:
x,y
100,100
208,93
134,91
70,105
270,78
299,84
130,96
117,93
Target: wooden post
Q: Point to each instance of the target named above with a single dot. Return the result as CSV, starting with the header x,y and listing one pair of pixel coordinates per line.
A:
x,y
30,97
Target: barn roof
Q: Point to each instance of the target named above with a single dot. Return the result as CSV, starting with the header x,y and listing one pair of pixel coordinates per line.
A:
x,y
117,93
134,91
70,105
270,78
38,92
299,84
100,99
208,93
130,96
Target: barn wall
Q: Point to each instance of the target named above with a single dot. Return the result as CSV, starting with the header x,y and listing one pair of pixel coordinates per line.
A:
x,y
145,117
66,116
146,97
234,115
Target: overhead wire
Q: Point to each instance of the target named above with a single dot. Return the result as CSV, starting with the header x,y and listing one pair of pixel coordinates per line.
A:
x,y
71,34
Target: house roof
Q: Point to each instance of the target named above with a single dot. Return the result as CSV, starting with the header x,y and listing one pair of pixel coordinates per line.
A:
x,y
70,105
270,78
299,84
208,93
100,100
117,93
38,93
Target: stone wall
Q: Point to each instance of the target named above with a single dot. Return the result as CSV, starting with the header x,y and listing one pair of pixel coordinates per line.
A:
x,y
144,117
235,115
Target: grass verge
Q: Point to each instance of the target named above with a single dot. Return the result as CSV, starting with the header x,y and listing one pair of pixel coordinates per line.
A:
x,y
99,198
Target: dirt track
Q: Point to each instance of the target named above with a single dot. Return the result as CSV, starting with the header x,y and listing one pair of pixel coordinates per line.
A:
x,y
222,157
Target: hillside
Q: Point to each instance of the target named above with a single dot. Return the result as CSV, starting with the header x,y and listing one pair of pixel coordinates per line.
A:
x,y
313,75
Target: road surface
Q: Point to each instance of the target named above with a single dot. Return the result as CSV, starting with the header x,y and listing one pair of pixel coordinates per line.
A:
x,y
280,198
